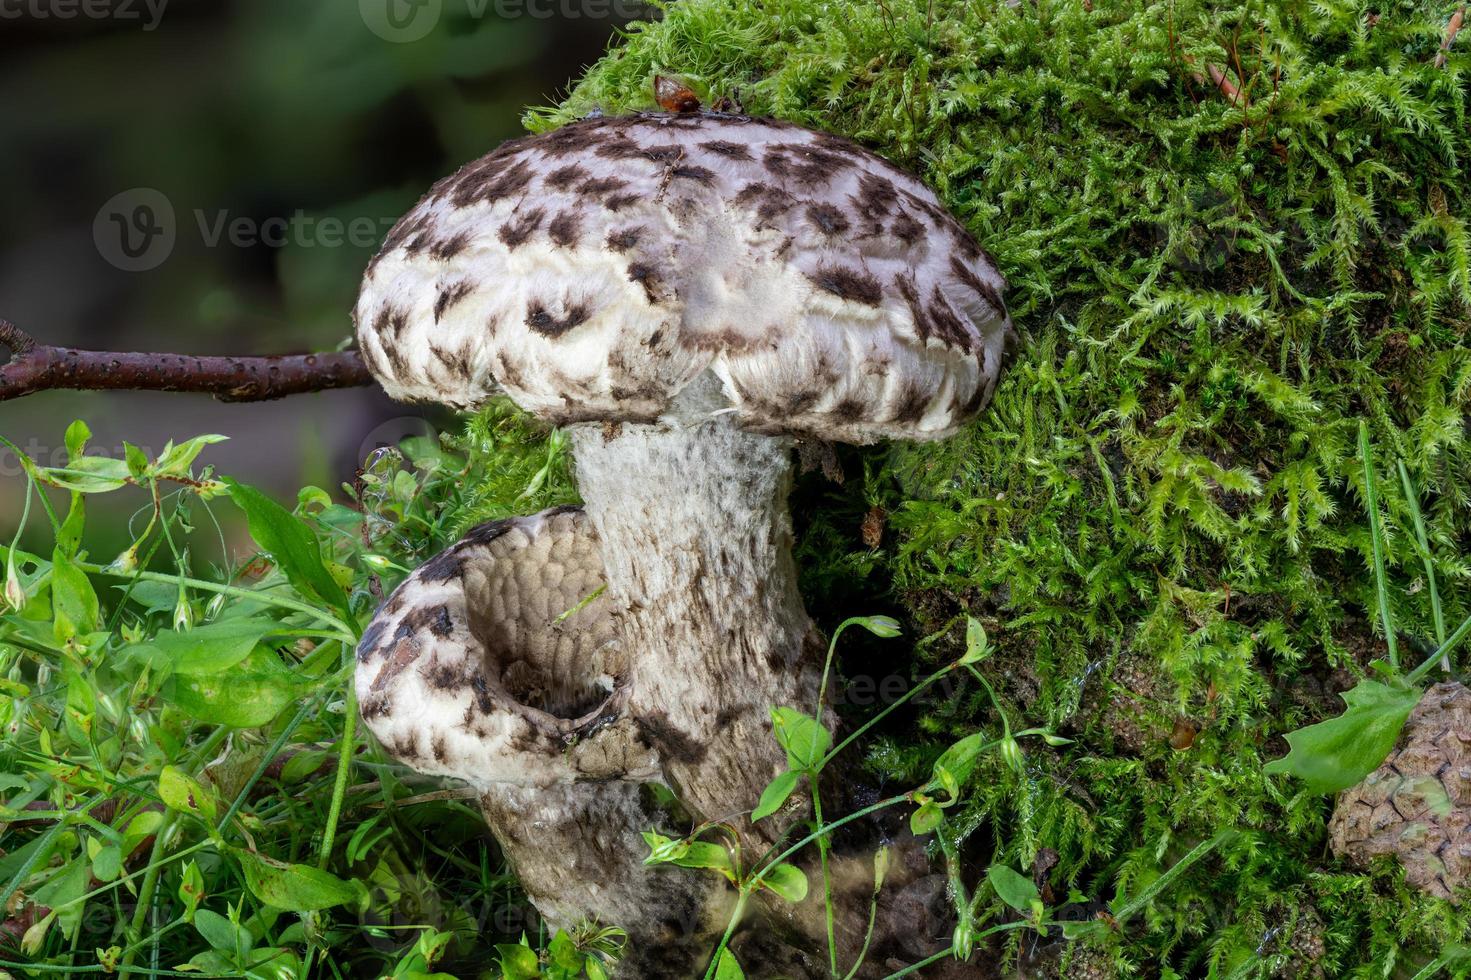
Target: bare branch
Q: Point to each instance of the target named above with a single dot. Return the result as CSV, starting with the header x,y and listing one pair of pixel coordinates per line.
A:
x,y
37,367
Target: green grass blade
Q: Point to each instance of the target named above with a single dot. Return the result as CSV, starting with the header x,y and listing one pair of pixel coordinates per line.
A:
x,y
1412,498
1376,535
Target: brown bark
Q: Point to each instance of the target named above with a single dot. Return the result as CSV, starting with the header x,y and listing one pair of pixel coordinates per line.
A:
x,y
35,367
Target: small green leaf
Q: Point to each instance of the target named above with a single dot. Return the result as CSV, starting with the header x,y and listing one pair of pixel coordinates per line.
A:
x,y
88,474
203,650
664,850
182,792
788,881
290,543
302,765
728,968
959,760
77,435
977,644
69,535
702,854
518,962
1012,888
136,459
1338,753
176,460
107,862
74,606
295,887
802,736
775,794
249,696
926,819
191,890
221,933
563,951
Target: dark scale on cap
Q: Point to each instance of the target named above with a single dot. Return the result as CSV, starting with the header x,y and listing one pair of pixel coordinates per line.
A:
x,y
770,202
572,138
725,148
457,361
646,276
601,186
968,276
910,292
624,239
945,322
515,232
442,676
445,567
627,149
906,229
876,195
911,404
828,219
484,534
702,175
447,248
390,323
565,229
850,409
544,322
449,295
620,201
803,164
372,636
564,177
859,287
493,184
435,619
406,231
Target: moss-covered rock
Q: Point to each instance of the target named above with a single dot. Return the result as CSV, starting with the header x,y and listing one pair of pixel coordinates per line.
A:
x,y
1231,232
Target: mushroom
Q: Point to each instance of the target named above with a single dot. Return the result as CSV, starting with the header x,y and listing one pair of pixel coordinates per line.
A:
x,y
687,295
495,663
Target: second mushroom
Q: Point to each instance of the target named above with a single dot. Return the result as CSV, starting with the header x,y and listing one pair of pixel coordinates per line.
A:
x,y
686,295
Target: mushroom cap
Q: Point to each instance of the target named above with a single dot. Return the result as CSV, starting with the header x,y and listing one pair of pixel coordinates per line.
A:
x,y
490,662
593,272
1417,804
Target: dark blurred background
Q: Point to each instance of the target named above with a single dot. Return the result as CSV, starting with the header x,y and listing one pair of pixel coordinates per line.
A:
x,y
211,176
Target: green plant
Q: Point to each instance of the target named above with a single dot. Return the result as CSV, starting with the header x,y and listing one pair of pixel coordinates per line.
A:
x,y
1338,753
183,785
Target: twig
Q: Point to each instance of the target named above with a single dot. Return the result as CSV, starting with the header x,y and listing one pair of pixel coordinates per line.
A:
x,y
37,367
1221,81
1451,30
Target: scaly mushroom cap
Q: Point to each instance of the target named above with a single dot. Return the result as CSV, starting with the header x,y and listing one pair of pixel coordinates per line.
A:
x,y
596,270
486,664
1417,805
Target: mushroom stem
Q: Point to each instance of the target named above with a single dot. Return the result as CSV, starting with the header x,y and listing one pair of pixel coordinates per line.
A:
x,y
696,547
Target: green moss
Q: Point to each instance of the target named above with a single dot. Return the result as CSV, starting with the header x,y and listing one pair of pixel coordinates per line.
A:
x,y
1213,294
